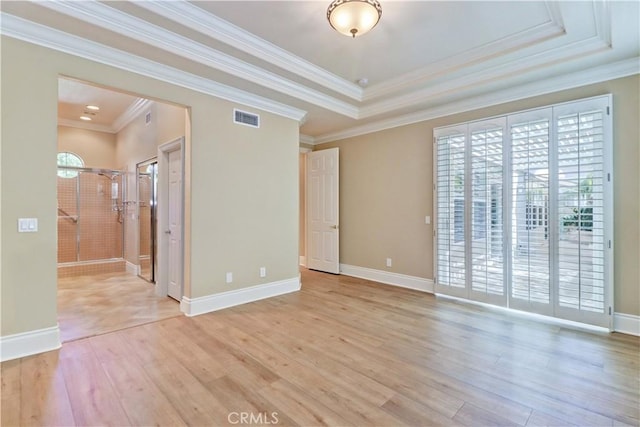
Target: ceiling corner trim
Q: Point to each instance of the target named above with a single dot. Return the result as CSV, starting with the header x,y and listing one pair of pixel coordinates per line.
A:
x,y
212,26
602,17
307,139
620,69
31,32
134,110
555,15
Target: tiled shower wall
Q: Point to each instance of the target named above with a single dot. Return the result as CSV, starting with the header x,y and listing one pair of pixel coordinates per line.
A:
x,y
99,225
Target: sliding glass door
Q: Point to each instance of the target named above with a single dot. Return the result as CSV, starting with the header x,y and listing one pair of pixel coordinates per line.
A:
x,y
529,170
486,210
524,211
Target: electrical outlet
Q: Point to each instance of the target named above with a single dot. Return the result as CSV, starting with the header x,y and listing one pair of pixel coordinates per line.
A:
x,y
229,277
263,271
389,262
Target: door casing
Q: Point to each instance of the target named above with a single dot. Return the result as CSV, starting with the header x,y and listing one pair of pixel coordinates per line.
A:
x,y
162,273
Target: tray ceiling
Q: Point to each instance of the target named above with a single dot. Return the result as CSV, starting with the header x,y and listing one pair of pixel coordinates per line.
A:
x,y
423,58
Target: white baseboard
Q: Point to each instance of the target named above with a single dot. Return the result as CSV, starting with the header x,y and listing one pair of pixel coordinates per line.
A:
x,y
132,268
303,261
388,278
209,303
626,323
29,343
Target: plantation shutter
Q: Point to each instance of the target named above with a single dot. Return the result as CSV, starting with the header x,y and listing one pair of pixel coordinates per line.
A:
x,y
524,211
450,220
582,180
529,160
487,210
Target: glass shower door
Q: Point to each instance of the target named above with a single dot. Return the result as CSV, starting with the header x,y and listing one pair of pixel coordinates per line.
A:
x,y
147,189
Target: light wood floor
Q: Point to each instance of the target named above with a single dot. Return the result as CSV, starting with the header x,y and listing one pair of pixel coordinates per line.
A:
x,y
93,305
343,351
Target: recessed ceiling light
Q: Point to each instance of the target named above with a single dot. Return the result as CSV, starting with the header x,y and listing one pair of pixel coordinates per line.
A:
x,y
93,107
85,118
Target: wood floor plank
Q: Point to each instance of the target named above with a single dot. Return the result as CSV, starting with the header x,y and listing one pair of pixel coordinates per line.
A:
x,y
143,402
238,397
314,357
540,419
48,403
190,398
10,374
10,411
342,351
10,392
298,405
473,416
93,399
200,363
413,413
325,390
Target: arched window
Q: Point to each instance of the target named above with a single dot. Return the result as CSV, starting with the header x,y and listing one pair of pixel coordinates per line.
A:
x,y
69,159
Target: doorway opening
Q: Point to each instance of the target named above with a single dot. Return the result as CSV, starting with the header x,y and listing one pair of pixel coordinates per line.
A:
x,y
108,245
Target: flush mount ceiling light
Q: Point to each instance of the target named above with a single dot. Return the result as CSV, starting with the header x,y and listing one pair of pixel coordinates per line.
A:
x,y
354,17
92,107
85,118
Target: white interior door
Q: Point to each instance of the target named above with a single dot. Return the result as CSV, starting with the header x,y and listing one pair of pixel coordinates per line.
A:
x,y
174,206
322,211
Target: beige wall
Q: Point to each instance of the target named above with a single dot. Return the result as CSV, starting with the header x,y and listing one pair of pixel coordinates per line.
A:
x,y
97,149
386,182
137,142
242,210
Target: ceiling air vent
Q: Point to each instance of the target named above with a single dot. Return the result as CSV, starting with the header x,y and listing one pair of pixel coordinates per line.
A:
x,y
244,118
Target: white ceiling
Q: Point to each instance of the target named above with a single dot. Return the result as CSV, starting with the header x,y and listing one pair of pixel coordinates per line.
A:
x,y
115,107
424,58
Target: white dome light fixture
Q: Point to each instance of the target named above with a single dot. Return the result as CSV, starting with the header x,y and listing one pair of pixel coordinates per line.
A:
x,y
354,17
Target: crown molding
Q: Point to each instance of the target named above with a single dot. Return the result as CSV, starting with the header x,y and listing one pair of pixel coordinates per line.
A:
x,y
136,108
186,13
530,36
204,22
22,29
135,28
616,70
307,139
602,19
452,86
79,124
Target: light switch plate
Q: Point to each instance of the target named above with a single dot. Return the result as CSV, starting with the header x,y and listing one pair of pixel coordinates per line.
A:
x,y
427,219
27,225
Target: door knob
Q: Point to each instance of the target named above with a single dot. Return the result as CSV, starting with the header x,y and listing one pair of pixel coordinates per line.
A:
x,y
335,227
167,232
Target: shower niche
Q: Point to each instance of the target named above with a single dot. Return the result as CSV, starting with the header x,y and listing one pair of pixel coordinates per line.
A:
x,y
147,183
